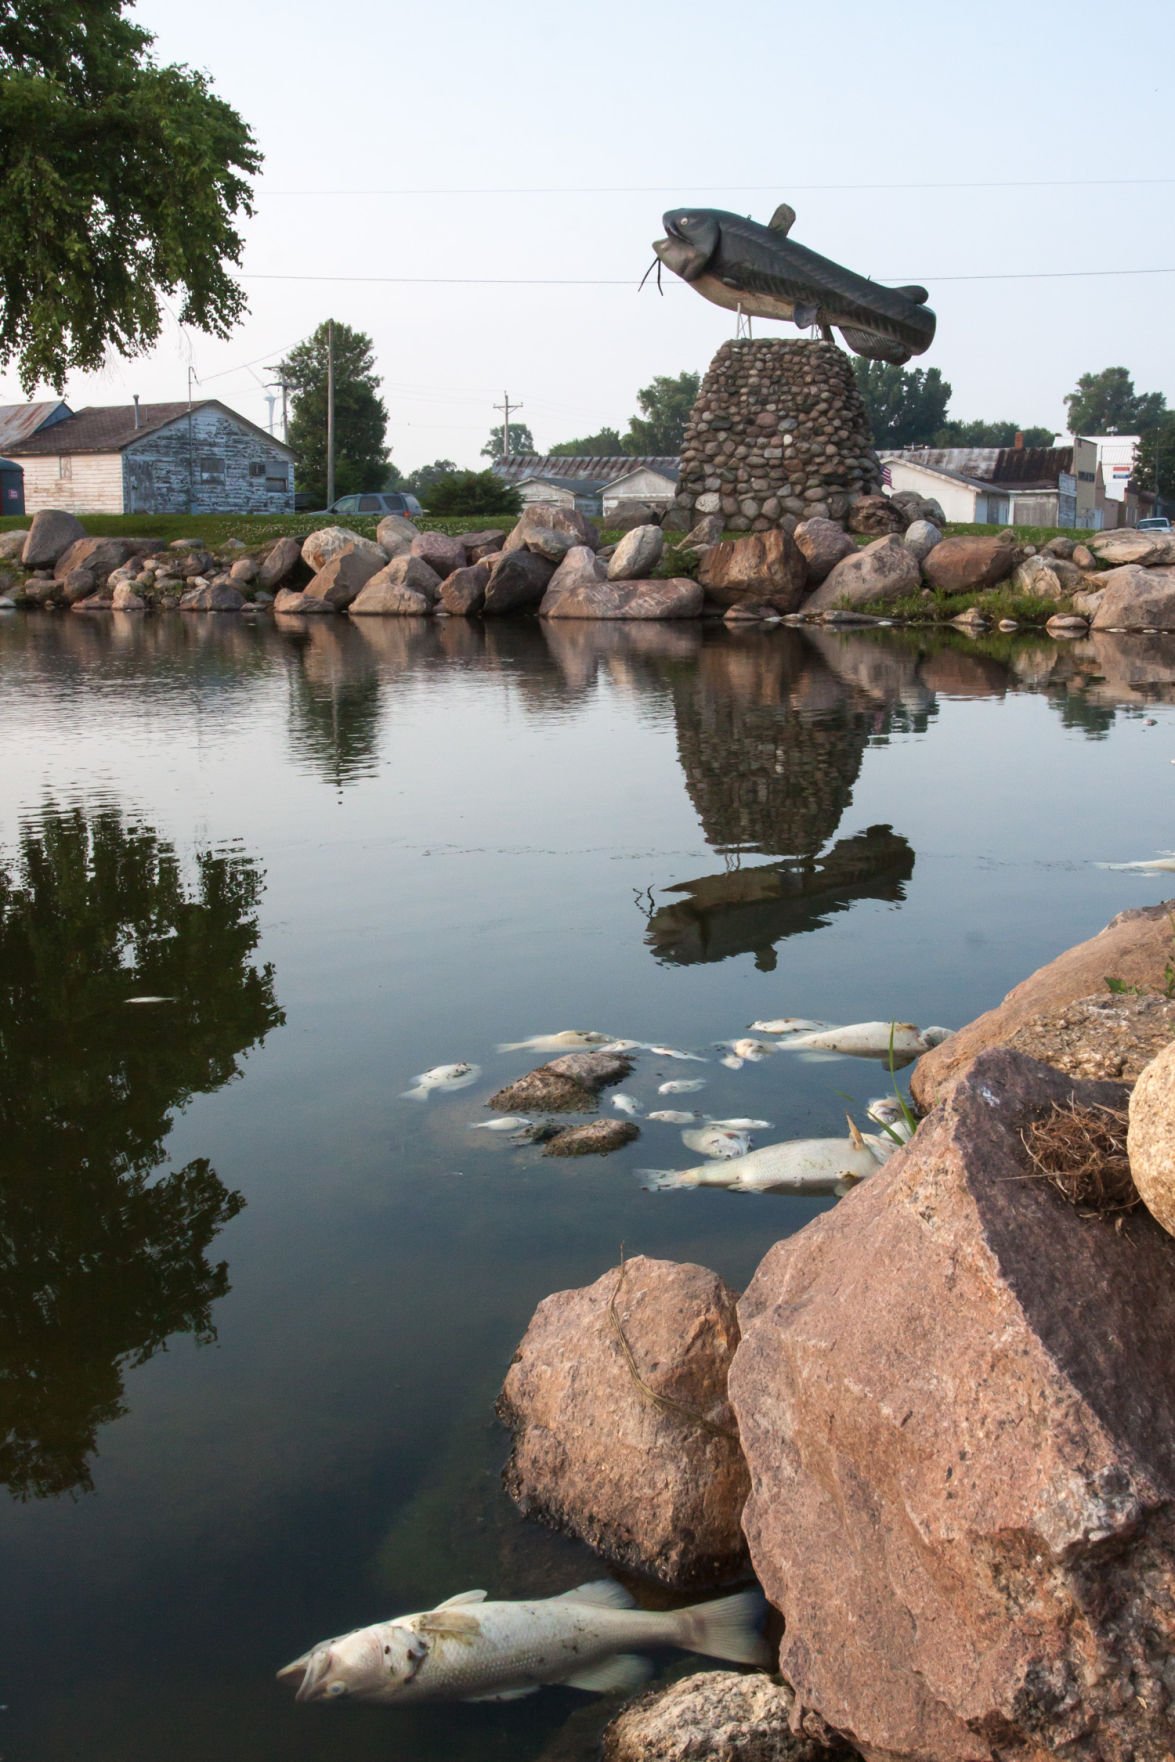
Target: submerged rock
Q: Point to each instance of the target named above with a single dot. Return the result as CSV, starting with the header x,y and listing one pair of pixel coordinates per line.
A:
x,y
715,1716
647,1485
955,1399
566,1085
597,1138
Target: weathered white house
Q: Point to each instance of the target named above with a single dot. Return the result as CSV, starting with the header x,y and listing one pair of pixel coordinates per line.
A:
x,y
136,458
1006,486
594,484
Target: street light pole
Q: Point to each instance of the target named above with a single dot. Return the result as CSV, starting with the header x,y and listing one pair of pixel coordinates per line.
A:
x,y
330,411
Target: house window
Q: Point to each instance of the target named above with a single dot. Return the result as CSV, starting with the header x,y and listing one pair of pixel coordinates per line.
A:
x,y
211,471
277,475
257,468
64,465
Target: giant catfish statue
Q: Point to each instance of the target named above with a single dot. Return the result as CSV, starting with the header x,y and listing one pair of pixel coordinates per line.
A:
x,y
740,264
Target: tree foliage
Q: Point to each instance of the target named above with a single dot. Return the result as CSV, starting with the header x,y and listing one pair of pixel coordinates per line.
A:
x,y
473,492
665,405
1154,463
607,444
361,458
906,407
103,1254
122,181
521,441
421,480
1107,403
990,434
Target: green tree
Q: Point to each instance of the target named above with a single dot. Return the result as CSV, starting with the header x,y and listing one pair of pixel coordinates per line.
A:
x,y
122,181
103,1254
906,407
1107,403
607,444
521,441
361,458
1154,464
990,434
665,404
422,479
473,492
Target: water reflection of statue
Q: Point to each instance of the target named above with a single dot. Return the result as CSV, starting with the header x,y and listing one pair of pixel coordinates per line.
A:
x,y
101,1259
335,708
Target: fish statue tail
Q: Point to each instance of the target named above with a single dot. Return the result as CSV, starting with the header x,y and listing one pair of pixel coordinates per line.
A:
x,y
729,1629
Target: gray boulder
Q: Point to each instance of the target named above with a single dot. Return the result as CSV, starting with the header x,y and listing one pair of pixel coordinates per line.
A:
x,y
884,570
824,543
546,515
279,563
625,515
50,535
287,600
404,574
123,598
214,597
11,545
463,593
678,597
394,535
1132,598
1047,576
546,542
440,552
321,546
637,554
339,581
707,532
1125,545
482,544
718,1716
921,536
518,581
385,598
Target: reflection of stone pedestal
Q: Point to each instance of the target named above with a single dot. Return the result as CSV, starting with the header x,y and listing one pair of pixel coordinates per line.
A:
x,y
778,428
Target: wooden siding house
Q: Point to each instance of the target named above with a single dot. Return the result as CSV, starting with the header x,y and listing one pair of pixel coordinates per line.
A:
x,y
1007,486
593,484
201,458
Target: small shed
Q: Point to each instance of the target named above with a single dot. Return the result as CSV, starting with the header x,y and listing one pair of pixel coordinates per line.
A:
x,y
11,487
655,485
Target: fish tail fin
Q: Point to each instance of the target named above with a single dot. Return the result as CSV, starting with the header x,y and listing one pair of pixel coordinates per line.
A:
x,y
730,1628
420,1093
662,1180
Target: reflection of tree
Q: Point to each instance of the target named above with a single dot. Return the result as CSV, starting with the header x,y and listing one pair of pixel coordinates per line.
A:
x,y
750,910
99,1261
334,700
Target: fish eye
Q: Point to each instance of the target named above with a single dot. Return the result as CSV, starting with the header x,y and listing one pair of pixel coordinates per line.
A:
x,y
337,1688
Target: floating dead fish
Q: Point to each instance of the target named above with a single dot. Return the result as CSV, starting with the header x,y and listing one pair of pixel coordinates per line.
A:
x,y
672,1116
570,1040
681,1086
717,1142
511,1122
467,1649
622,1046
740,1125
905,1040
788,1025
797,1165
731,1061
626,1103
1163,863
672,1052
441,1078
750,1051
150,1000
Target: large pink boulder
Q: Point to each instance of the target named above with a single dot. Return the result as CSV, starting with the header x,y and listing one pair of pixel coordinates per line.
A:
x,y
969,562
955,1397
439,551
764,568
549,518
656,1488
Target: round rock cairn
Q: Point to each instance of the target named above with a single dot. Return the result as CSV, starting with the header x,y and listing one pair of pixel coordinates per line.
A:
x,y
778,428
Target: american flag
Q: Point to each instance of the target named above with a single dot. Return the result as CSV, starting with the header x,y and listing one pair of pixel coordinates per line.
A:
x,y
887,476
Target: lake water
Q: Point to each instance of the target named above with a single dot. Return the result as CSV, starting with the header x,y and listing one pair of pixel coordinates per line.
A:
x,y
254,1306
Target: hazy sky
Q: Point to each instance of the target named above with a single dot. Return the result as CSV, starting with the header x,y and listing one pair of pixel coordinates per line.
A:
x,y
537,141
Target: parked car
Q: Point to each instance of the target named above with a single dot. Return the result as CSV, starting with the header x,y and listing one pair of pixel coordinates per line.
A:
x,y
1157,523
377,503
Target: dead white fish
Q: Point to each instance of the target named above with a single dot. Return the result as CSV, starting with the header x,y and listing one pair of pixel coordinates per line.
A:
x,y
788,1025
1163,863
681,1086
672,1116
510,1122
750,1051
626,1103
865,1040
467,1649
731,1061
740,1125
887,1110
441,1077
797,1165
150,1000
672,1052
621,1046
717,1142
569,1040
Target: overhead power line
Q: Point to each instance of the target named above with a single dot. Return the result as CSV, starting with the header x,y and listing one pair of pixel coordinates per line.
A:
x,y
1027,183
552,281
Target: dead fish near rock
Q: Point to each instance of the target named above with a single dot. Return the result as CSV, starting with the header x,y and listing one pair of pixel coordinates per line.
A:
x,y
738,1125
626,1103
511,1122
717,1142
441,1079
904,1040
468,1649
569,1040
681,1086
1164,862
788,1025
672,1116
797,1165
750,1051
672,1052
732,1061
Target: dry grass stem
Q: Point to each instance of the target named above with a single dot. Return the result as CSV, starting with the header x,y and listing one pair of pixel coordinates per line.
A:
x,y
1081,1151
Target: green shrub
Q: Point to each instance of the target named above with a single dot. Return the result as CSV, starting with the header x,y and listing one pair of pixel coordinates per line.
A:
x,y
474,492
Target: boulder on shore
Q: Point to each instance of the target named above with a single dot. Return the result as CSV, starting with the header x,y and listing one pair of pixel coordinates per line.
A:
x,y
343,578
766,568
653,1487
955,1400
637,554
1133,598
319,547
964,564
464,591
442,553
716,1716
1134,947
398,588
678,597
518,581
50,535
545,517
1151,1138
875,516
823,544
885,570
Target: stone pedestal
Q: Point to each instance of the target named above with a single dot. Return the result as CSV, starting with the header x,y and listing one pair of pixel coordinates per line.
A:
x,y
778,428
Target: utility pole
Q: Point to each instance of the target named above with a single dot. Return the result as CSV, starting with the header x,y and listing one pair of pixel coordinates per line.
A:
x,y
330,411
505,407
